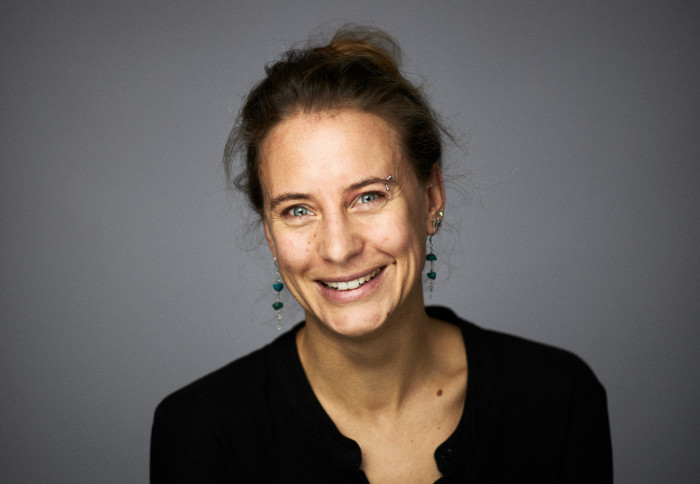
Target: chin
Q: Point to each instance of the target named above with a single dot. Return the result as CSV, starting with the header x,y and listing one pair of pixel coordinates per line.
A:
x,y
353,322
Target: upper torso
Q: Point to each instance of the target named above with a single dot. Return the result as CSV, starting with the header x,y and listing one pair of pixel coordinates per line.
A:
x,y
530,411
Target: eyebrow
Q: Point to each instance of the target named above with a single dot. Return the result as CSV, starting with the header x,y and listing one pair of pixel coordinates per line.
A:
x,y
370,181
288,197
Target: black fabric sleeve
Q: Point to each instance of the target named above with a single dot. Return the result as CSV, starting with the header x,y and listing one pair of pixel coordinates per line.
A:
x,y
588,454
184,450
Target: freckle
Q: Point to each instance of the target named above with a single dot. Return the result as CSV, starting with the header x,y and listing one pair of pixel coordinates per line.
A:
x,y
439,393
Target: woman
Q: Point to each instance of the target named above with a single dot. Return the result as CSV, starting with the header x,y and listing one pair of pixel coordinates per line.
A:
x,y
342,163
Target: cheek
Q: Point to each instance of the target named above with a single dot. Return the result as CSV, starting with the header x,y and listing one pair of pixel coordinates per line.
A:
x,y
397,237
294,253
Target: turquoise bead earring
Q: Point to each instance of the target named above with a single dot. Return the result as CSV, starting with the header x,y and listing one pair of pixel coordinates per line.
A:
x,y
431,257
278,286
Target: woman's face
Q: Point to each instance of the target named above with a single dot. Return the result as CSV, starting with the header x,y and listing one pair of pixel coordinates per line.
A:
x,y
349,250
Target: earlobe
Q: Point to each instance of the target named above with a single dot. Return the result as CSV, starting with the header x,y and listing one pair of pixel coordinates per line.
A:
x,y
436,201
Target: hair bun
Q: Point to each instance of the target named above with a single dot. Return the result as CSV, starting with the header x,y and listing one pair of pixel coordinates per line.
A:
x,y
368,43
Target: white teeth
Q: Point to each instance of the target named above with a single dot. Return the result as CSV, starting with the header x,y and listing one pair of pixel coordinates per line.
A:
x,y
344,286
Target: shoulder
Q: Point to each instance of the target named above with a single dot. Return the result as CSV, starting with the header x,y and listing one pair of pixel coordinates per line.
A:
x,y
204,431
512,362
521,357
238,385
216,387
538,408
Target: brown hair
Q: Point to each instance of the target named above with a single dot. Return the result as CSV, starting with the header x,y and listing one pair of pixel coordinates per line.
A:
x,y
358,69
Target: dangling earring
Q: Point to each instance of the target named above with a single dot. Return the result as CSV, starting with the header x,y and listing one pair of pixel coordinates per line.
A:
x,y
431,257
278,286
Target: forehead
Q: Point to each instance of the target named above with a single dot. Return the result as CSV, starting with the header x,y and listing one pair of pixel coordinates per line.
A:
x,y
327,148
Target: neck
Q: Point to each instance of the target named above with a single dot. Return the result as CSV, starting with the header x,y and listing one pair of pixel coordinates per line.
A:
x,y
374,373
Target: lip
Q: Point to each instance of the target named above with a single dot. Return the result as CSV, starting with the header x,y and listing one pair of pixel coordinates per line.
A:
x,y
349,295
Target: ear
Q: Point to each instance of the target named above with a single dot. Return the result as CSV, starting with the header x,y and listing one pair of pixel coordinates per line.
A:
x,y
435,197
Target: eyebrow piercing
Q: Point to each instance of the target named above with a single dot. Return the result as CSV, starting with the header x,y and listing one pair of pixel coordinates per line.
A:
x,y
386,184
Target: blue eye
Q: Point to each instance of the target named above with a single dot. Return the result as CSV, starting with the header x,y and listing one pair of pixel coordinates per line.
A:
x,y
298,211
367,197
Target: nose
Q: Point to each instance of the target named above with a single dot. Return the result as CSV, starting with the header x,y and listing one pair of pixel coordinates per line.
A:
x,y
339,239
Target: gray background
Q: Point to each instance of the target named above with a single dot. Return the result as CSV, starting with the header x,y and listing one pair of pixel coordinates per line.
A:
x,y
126,270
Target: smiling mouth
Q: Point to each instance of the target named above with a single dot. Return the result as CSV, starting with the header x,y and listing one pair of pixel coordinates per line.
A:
x,y
354,284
